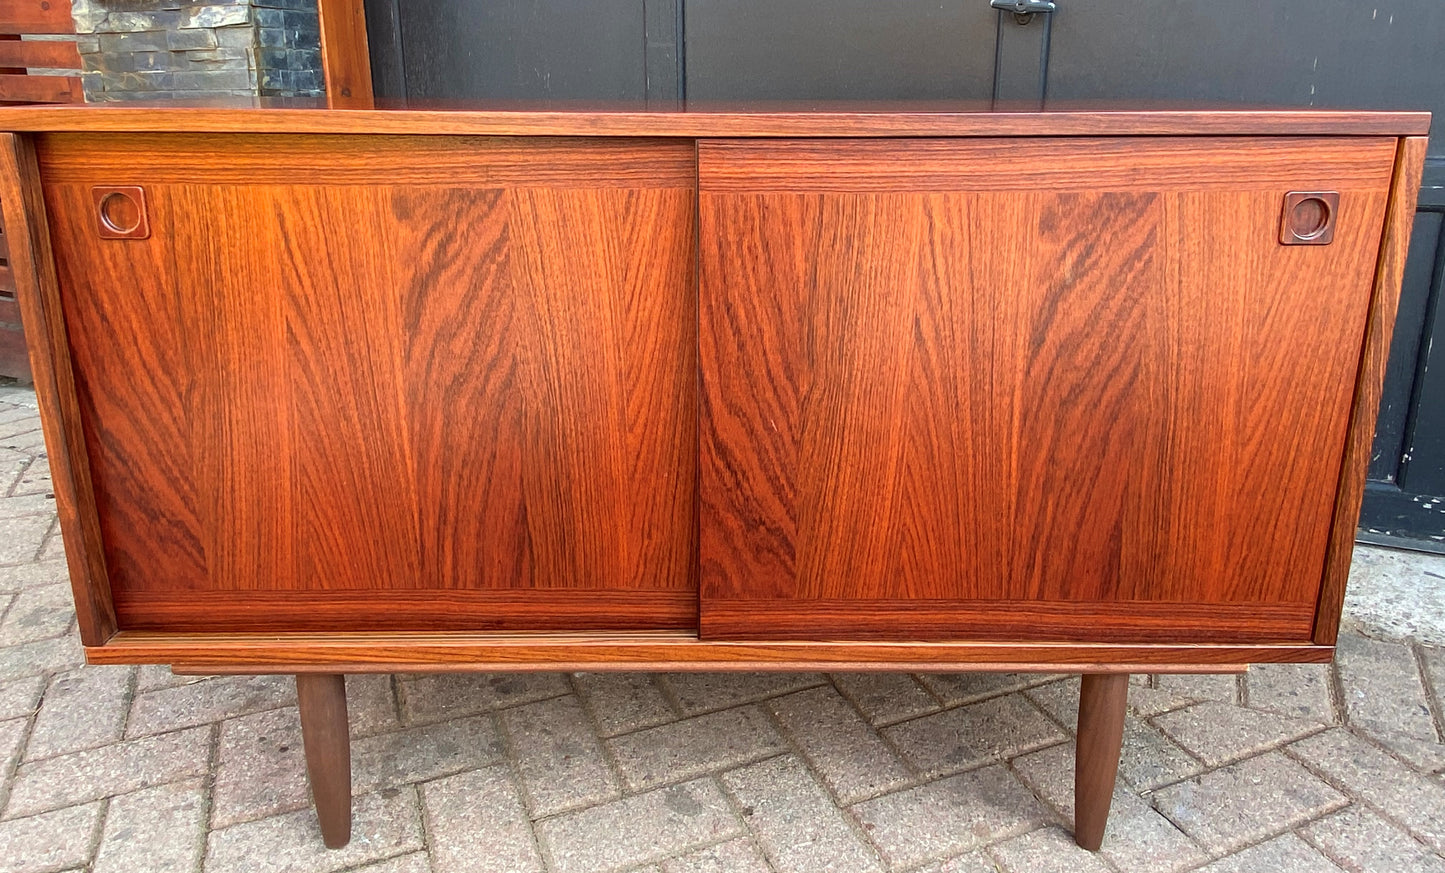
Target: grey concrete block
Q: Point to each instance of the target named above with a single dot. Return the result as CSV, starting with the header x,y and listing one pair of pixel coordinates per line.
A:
x,y
1047,850
795,821
960,813
978,861
422,753
211,700
20,698
12,740
477,824
1220,733
734,856
688,748
1294,690
38,613
1411,800
885,698
371,705
623,702
1382,687
42,656
1230,808
260,768
448,695
957,739
82,709
1361,840
1395,595
557,756
218,15
705,692
1201,686
1149,759
159,830
183,40
121,768
956,688
638,830
58,840
384,824
1286,852
841,747
21,537
416,862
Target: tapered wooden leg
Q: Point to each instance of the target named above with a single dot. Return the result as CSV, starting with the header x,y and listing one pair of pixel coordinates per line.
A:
x,y
1102,698
322,699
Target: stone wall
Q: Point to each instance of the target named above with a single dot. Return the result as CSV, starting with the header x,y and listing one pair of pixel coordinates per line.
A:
x,y
158,49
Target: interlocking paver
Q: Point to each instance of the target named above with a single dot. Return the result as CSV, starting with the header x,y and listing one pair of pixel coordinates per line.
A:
x,y
795,821
1138,836
371,705
159,829
421,753
1423,755
57,840
38,613
82,709
21,537
1149,759
1219,733
1049,850
1284,852
1369,774
384,824
20,697
957,688
967,736
623,702
845,751
1361,840
478,825
448,695
885,698
41,656
260,770
640,829
416,862
705,692
559,757
128,766
211,700
1234,806
974,862
691,747
949,817
734,856
1382,687
1295,690
1201,686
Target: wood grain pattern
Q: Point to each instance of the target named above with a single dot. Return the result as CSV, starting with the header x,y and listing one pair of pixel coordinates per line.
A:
x,y
380,652
38,293
326,738
35,16
1384,301
471,388
209,159
1110,164
345,57
945,395
289,116
50,53
40,89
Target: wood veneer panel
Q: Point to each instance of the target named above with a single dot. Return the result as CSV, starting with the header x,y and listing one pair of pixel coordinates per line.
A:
x,y
1389,272
253,116
290,653
492,162
37,290
999,393
391,390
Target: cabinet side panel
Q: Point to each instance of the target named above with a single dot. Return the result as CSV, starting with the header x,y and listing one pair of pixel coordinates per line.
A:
x,y
1080,393
1389,273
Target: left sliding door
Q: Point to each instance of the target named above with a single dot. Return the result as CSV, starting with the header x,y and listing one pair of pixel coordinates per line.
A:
x,y
385,382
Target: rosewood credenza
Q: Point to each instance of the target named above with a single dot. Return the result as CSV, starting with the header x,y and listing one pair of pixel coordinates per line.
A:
x,y
362,391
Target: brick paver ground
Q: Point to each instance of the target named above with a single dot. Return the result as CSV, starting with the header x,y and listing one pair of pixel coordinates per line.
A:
x,y
1290,768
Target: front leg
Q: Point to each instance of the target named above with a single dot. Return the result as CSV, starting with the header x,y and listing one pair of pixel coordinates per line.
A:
x,y
324,732
1102,699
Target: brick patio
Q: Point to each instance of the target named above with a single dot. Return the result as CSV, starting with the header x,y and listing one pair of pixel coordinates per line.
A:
x,y
1290,768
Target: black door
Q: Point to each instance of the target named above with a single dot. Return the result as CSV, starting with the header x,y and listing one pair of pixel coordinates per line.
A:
x,y
666,53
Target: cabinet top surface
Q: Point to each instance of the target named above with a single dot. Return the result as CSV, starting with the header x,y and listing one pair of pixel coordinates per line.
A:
x,y
752,120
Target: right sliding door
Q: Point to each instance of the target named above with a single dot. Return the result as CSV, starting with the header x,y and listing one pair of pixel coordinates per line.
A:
x,y
1029,388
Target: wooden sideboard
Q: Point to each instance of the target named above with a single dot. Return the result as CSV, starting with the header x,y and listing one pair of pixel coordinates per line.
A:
x,y
362,391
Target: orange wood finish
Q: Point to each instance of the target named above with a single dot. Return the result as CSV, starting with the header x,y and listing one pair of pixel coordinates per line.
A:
x,y
1385,300
1076,378
38,291
40,89
845,122
36,16
416,395
49,53
403,652
345,56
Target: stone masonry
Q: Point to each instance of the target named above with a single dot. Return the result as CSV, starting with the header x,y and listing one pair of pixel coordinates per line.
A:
x,y
1287,769
158,49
